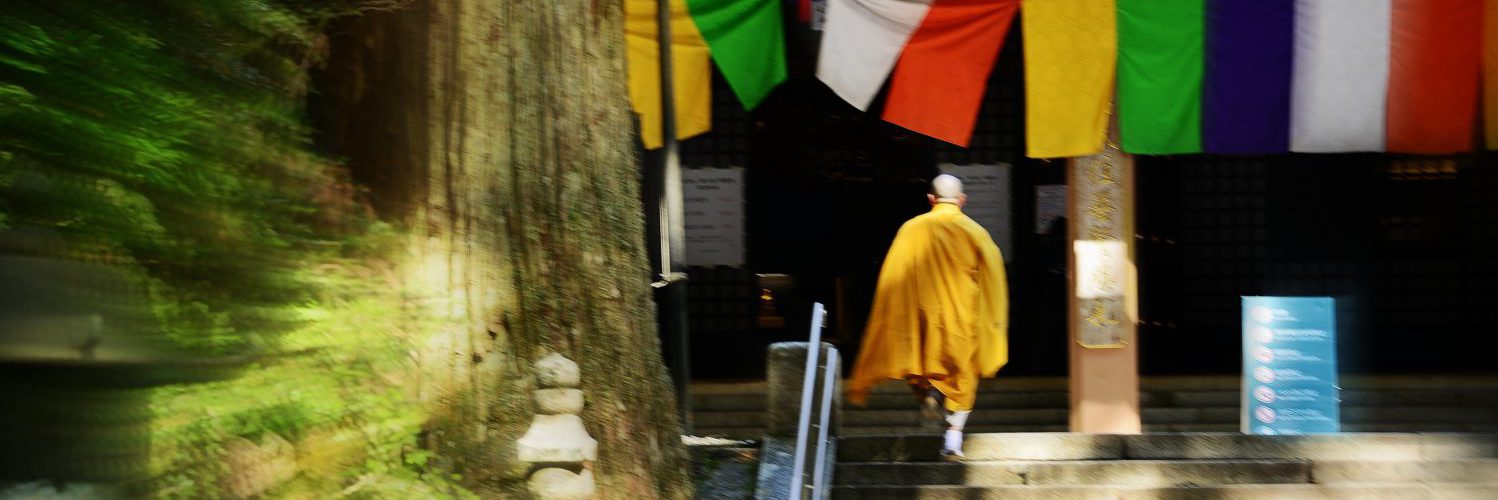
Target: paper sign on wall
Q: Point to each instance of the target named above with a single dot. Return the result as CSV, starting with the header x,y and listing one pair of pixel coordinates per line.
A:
x,y
714,204
988,200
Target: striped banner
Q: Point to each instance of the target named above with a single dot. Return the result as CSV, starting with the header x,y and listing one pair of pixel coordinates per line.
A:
x,y
862,41
937,88
1490,72
1340,83
1160,75
1070,58
1246,95
1434,62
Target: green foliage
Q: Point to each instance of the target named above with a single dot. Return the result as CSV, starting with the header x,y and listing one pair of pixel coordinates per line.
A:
x,y
168,138
167,135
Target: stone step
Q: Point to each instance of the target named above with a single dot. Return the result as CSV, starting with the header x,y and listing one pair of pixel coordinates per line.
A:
x,y
1164,446
1151,473
1397,491
980,447
1481,470
1345,446
1357,390
1398,419
971,429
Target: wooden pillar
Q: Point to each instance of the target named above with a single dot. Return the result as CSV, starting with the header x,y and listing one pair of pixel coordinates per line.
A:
x,y
1103,293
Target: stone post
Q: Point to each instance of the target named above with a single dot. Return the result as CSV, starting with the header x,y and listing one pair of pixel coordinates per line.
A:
x,y
559,449
785,374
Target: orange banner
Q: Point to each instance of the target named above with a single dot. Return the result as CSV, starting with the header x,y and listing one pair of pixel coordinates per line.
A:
x,y
1490,70
1434,63
938,84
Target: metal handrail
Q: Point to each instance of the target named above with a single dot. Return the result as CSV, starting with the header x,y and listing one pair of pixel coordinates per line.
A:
x,y
824,412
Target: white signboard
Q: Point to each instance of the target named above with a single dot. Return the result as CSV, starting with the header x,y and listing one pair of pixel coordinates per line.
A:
x,y
1050,204
714,204
988,201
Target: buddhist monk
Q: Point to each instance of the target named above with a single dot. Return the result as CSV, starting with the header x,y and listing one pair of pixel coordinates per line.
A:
x,y
941,313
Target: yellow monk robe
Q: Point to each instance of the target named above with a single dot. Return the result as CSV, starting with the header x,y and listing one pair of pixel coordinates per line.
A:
x,y
941,310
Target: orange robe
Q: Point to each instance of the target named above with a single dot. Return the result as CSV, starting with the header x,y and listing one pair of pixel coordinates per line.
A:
x,y
941,310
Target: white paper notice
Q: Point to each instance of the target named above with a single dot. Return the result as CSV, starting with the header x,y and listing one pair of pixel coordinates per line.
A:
x,y
714,204
1050,204
988,200
1102,268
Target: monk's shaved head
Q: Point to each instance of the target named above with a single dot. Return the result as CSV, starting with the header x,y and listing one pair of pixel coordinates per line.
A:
x,y
946,187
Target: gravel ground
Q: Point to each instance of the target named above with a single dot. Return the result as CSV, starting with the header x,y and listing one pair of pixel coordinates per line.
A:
x,y
723,469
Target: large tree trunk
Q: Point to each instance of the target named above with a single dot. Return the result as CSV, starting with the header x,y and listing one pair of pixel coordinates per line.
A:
x,y
498,134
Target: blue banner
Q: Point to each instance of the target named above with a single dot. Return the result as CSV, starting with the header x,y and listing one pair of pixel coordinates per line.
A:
x,y
1290,366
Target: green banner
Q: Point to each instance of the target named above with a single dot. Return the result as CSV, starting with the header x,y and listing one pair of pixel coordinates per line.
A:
x,y
747,41
1160,50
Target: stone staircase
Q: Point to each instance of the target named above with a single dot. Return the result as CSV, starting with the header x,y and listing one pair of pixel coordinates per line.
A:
x,y
1218,466
1170,404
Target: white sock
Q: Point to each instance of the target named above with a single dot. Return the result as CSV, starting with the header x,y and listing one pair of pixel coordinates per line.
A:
x,y
957,420
953,442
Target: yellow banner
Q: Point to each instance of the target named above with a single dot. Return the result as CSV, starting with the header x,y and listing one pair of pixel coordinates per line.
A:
x,y
1070,56
692,85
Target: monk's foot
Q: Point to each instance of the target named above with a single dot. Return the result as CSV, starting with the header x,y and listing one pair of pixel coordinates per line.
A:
x,y
931,407
952,445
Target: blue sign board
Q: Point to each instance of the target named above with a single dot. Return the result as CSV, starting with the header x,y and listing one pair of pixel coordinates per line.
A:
x,y
1290,366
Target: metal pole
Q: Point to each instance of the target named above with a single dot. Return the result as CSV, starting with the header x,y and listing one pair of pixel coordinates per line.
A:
x,y
808,384
673,228
819,468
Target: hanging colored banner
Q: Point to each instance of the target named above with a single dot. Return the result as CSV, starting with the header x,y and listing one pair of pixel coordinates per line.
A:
x,y
747,41
1490,72
937,88
692,78
1434,62
1160,76
1071,47
1290,366
861,42
1246,87
1340,83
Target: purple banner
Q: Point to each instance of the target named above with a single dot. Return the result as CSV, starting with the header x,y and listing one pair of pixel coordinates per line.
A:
x,y
1246,93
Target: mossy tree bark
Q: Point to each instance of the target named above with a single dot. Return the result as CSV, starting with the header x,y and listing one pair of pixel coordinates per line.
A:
x,y
498,134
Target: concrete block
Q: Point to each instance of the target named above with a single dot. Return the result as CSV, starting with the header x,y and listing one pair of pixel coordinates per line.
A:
x,y
1031,446
933,430
1463,491
1154,473
1076,473
930,473
1227,492
1454,446
786,367
1439,471
1242,446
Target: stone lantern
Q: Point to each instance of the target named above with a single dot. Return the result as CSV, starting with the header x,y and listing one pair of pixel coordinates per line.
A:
x,y
559,449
